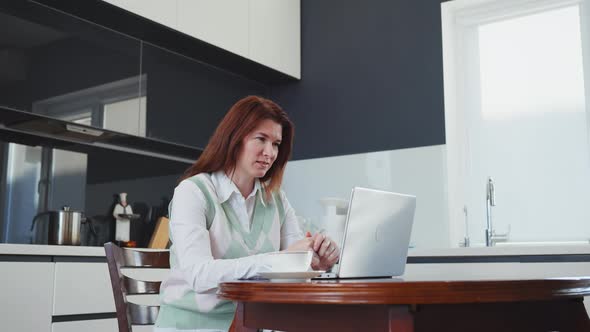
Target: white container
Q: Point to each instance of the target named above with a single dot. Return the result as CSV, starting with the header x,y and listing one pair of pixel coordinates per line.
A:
x,y
334,228
290,261
334,218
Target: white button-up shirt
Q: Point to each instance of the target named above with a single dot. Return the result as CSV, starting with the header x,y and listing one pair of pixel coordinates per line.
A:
x,y
188,228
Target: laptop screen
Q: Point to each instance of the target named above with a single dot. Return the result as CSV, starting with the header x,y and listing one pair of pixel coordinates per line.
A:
x,y
377,234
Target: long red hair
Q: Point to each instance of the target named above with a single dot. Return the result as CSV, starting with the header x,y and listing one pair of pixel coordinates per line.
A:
x,y
224,147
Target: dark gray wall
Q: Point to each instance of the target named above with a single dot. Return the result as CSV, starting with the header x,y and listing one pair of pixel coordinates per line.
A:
x,y
372,77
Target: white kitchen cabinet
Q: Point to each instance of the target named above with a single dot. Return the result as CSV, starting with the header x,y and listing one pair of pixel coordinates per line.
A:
x,y
160,11
96,325
82,288
275,34
27,289
265,31
223,23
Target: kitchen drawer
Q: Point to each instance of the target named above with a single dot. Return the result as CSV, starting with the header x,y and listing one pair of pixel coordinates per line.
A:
x,y
96,325
82,288
25,299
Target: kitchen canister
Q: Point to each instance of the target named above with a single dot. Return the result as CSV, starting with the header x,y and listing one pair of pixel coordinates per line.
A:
x,y
62,227
334,218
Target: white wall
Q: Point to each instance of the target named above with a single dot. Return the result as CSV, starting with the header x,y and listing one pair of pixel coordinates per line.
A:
x,y
416,171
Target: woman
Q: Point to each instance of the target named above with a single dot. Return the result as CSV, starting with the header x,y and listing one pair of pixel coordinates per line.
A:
x,y
227,212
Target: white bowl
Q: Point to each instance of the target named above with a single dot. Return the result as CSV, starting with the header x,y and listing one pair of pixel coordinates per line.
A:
x,y
290,261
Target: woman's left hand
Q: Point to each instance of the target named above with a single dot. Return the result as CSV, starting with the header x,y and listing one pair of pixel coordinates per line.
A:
x,y
327,251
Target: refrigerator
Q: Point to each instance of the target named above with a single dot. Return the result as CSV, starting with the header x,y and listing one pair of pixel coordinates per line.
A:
x,y
36,179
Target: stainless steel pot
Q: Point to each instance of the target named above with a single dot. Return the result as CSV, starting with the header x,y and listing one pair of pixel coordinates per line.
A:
x,y
63,226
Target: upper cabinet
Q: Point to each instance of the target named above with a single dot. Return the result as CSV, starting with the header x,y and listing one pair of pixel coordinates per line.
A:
x,y
163,12
264,31
223,23
275,37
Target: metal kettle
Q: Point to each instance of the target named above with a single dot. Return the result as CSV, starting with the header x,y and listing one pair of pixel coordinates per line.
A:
x,y
63,226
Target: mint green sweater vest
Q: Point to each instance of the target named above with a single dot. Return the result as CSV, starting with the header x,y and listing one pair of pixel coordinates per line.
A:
x,y
187,311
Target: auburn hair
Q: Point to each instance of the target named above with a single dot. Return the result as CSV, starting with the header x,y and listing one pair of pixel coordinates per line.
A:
x,y
224,147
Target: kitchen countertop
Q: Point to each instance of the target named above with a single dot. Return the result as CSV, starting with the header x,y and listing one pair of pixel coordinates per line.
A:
x,y
50,250
524,250
53,250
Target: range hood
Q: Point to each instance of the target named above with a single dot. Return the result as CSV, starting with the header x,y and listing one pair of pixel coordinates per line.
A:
x,y
38,130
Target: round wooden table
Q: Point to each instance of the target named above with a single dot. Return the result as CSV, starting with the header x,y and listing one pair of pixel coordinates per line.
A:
x,y
411,305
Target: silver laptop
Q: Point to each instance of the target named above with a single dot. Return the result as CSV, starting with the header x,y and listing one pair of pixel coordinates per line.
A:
x,y
376,235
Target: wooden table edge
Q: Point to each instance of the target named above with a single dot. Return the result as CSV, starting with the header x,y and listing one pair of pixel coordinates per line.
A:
x,y
411,292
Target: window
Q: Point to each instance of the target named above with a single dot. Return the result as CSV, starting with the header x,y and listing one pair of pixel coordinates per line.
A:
x,y
515,110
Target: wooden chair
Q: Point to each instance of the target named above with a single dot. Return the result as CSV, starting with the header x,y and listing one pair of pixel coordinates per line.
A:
x,y
128,313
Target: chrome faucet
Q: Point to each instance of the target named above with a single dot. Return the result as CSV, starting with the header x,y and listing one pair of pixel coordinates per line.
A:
x,y
490,201
491,236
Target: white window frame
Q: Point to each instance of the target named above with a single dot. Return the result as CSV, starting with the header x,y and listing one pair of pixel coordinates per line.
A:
x,y
460,19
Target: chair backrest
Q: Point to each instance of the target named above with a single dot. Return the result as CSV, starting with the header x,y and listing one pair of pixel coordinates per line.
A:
x,y
128,313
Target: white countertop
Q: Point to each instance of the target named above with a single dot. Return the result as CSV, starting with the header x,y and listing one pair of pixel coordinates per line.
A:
x,y
48,250
574,249
52,250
